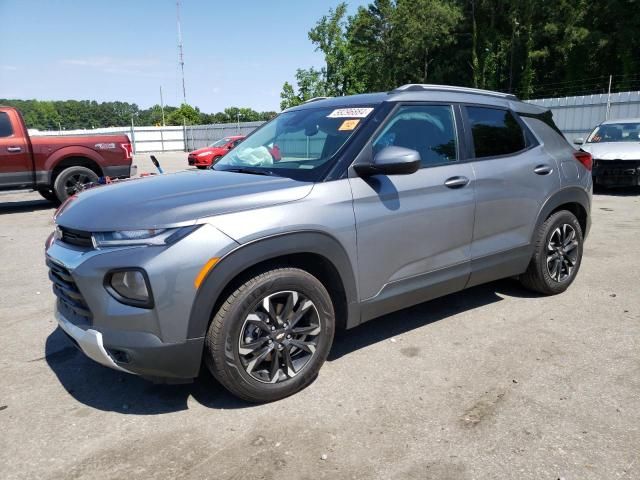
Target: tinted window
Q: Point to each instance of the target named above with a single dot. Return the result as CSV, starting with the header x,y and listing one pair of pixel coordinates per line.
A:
x,y
5,125
495,132
429,129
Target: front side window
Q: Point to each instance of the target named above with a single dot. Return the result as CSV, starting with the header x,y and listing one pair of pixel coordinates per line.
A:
x,y
495,132
296,144
428,129
5,125
615,132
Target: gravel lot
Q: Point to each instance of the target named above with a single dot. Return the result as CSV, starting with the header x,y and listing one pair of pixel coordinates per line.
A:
x,y
489,383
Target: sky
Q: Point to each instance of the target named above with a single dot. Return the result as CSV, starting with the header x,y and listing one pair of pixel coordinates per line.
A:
x,y
236,53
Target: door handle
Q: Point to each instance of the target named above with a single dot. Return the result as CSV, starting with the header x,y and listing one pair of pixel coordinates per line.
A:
x,y
14,149
543,170
456,182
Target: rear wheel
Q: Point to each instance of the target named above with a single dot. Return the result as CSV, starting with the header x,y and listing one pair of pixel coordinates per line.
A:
x,y
557,256
72,180
270,337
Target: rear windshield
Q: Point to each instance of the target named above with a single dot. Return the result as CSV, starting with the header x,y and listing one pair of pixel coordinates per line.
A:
x,y
615,132
296,144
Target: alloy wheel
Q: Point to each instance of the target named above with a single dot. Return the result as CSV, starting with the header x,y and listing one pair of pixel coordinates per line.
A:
x,y
279,337
75,183
562,252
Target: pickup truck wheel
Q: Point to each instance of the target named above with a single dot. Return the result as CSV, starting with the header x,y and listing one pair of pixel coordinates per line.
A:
x,y
270,337
48,194
71,180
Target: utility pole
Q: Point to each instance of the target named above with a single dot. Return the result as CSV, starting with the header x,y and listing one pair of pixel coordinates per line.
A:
x,y
609,98
513,39
162,106
180,53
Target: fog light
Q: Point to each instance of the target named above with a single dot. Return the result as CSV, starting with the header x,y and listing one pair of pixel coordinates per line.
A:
x,y
130,287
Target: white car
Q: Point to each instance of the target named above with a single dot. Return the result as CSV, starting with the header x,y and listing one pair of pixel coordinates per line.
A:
x,y
615,148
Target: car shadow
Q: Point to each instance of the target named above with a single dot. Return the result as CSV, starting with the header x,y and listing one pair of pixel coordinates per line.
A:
x,y
24,206
616,191
109,390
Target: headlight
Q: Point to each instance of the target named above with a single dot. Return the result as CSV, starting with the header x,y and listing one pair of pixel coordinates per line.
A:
x,y
152,236
129,286
204,154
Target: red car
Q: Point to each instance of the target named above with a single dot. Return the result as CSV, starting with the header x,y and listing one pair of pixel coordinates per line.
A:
x,y
205,157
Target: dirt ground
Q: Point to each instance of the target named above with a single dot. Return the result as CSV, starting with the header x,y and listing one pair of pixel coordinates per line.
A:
x,y
489,383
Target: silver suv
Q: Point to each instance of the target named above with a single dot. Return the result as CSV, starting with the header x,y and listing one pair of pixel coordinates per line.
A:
x,y
335,212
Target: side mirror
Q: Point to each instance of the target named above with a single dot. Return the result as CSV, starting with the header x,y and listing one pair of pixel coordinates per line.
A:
x,y
391,161
578,141
229,147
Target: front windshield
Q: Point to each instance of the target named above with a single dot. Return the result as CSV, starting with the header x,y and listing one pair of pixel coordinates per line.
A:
x,y
296,144
616,132
220,143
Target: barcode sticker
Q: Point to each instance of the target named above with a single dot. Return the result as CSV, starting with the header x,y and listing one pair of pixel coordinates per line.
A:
x,y
350,113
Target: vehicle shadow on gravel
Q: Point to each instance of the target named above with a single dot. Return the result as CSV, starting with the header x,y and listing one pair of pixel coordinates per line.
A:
x,y
402,321
108,390
25,206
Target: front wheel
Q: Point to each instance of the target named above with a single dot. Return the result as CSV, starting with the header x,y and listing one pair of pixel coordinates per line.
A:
x,y
557,256
270,337
215,160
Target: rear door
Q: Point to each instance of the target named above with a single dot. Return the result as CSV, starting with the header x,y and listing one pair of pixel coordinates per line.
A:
x,y
15,160
414,231
513,179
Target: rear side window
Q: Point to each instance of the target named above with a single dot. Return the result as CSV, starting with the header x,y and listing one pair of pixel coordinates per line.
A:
x,y
428,129
495,132
5,125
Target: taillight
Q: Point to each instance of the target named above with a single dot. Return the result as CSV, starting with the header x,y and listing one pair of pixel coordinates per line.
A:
x,y
127,150
584,158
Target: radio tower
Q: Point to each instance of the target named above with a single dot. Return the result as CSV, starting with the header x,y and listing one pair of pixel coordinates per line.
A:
x,y
180,53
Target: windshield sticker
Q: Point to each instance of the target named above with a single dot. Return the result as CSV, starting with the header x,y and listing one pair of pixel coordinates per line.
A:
x,y
348,125
350,113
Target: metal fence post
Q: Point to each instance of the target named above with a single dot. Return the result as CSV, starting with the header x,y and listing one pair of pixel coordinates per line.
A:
x,y
133,135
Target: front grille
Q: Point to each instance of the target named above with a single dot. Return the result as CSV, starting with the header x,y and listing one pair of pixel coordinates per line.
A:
x,y
76,237
70,301
616,167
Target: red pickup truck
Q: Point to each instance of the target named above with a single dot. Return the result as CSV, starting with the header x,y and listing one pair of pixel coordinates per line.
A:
x,y
57,167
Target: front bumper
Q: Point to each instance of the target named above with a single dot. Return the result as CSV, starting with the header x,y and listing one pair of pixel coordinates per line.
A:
x,y
616,173
148,342
198,161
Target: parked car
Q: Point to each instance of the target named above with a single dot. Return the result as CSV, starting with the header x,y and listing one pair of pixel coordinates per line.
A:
x,y
615,147
333,213
205,157
57,167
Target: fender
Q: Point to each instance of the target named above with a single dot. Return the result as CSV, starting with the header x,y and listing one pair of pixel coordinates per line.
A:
x,y
67,152
561,197
252,253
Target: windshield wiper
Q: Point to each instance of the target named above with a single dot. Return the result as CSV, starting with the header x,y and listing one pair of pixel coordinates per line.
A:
x,y
252,171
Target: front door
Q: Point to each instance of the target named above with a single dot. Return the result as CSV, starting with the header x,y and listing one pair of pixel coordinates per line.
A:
x,y
15,164
414,231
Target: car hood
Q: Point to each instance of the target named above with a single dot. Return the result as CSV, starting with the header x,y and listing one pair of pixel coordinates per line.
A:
x,y
613,150
175,199
206,150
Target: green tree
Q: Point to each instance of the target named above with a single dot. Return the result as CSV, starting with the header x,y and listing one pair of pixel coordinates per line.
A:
x,y
184,115
310,84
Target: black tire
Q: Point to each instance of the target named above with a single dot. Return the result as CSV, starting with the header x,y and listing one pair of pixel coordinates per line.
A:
x,y
231,321
541,275
68,181
48,194
202,167
214,160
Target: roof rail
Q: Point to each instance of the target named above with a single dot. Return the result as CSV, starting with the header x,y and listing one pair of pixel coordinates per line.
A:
x,y
315,99
416,87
